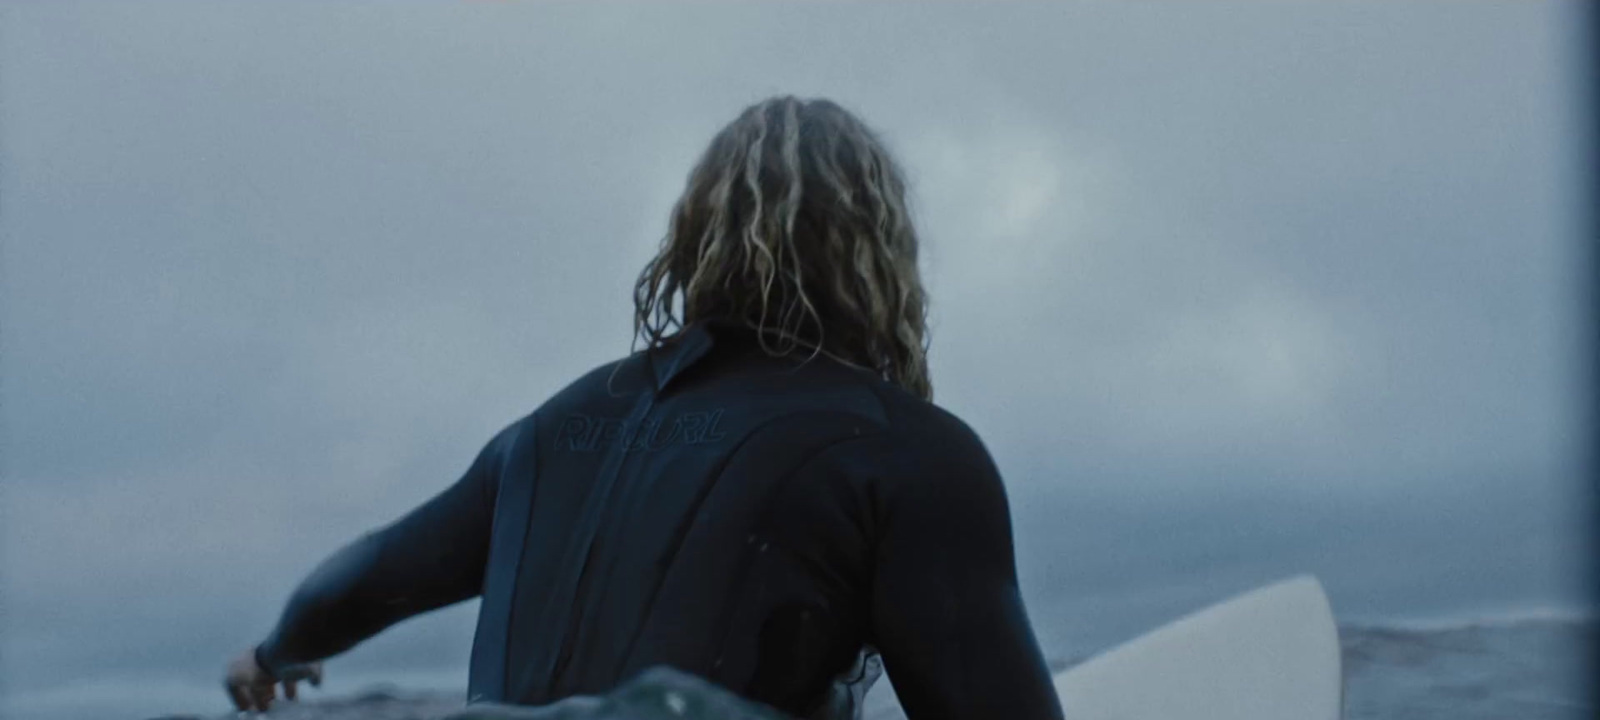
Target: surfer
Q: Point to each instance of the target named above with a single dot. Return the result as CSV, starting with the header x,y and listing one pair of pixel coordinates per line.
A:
x,y
763,496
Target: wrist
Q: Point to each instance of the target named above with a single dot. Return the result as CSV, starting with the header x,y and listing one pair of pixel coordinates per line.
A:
x,y
262,662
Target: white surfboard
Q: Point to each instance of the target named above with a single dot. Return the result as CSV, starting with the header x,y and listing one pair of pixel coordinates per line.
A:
x,y
1270,654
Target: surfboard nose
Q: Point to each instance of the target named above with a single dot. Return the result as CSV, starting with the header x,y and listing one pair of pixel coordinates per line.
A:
x,y
1268,654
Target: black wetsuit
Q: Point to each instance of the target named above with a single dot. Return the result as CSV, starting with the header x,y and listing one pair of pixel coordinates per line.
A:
x,y
753,520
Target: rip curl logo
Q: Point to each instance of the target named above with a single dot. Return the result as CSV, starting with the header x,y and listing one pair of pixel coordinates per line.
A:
x,y
583,433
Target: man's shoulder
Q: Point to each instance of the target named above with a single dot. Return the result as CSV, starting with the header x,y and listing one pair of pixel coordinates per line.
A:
x,y
922,421
612,382
916,438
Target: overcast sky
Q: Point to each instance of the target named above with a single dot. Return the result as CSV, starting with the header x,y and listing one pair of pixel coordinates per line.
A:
x,y
1232,292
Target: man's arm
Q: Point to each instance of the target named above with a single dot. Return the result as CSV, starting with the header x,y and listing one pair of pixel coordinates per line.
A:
x,y
432,557
947,614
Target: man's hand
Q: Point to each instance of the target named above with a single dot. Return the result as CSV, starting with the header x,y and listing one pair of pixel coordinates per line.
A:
x,y
252,688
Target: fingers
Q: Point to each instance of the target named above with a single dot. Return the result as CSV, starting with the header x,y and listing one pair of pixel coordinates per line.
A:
x,y
252,688
241,699
310,672
254,691
292,675
248,696
263,694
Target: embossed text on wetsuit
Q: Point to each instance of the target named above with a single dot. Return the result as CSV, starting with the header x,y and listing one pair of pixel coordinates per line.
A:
x,y
586,433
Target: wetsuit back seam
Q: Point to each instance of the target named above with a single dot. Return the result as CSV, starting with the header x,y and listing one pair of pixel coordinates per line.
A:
x,y
521,548
593,513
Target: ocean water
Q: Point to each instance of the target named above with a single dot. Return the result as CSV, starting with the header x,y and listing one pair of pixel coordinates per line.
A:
x,y
1523,668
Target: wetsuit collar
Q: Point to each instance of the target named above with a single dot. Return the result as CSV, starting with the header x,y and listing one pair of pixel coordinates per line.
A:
x,y
692,343
689,346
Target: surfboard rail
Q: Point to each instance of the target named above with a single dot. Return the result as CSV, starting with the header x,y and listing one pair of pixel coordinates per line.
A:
x,y
1268,654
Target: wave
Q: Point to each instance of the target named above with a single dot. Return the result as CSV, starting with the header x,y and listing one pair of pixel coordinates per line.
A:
x,y
1498,620
1530,665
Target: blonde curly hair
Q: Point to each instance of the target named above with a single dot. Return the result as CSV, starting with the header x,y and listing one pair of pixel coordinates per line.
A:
x,y
794,222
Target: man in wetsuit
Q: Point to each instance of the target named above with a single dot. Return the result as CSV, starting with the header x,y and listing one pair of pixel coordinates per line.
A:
x,y
764,496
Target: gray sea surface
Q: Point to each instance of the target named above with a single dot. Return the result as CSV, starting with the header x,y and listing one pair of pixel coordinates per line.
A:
x,y
1534,668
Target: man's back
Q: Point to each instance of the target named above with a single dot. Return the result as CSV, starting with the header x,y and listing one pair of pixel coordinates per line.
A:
x,y
712,508
664,528
753,520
